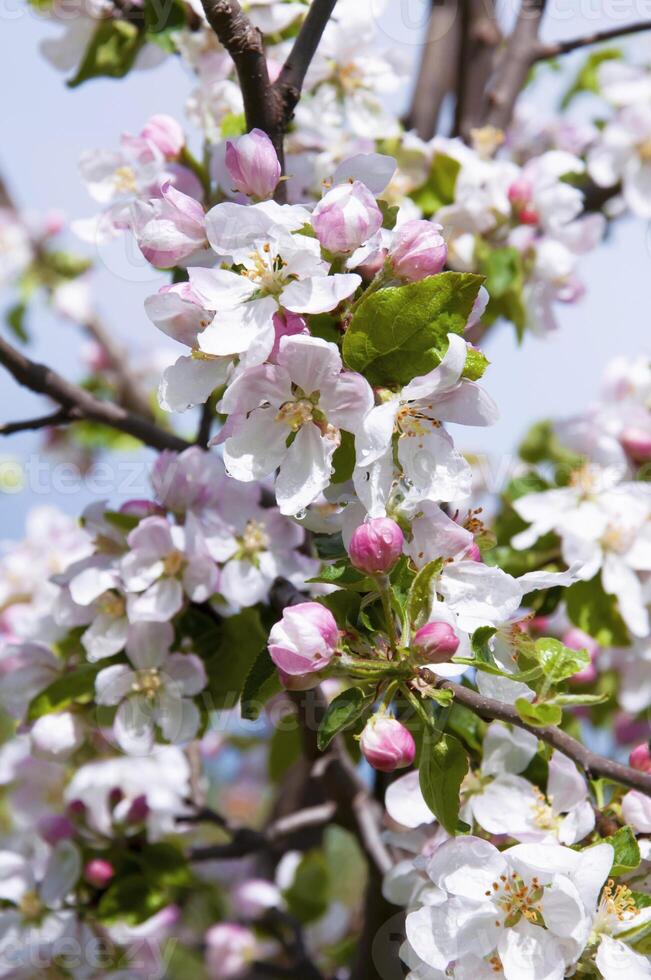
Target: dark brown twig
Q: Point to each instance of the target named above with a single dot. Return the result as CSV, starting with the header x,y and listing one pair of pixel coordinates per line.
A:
x,y
575,43
289,83
61,417
590,762
73,399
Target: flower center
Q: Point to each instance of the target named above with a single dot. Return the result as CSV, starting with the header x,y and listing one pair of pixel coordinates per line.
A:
x,y
296,413
267,271
148,683
412,422
617,901
112,604
173,563
585,480
616,538
125,180
543,814
254,539
515,898
30,906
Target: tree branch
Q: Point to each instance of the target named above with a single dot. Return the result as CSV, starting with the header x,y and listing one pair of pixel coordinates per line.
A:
x,y
132,395
245,45
289,83
481,37
437,74
513,66
62,416
83,405
593,764
566,47
245,840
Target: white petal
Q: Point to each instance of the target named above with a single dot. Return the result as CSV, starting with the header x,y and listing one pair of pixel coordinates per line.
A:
x,y
305,471
186,671
617,961
405,804
149,643
105,637
190,381
566,786
258,446
133,726
62,872
319,294
160,602
113,684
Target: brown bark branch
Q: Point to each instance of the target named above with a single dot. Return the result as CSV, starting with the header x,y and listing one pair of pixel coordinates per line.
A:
x,y
481,38
45,381
62,416
574,44
437,74
590,762
289,83
517,56
246,841
245,45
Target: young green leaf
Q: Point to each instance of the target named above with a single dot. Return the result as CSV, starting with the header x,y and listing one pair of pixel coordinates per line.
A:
x,y
539,715
342,712
558,661
442,769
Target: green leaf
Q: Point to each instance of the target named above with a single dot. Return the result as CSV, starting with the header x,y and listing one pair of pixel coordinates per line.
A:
x,y
239,640
439,188
442,769
421,593
123,522
389,214
343,460
538,715
308,896
558,661
111,52
329,546
261,684
587,79
476,364
596,613
342,712
541,443
505,282
626,855
66,265
570,700
480,643
400,332
342,573
76,686
15,317
162,19
233,124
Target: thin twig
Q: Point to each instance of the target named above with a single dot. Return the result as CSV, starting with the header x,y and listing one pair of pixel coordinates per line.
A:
x,y
289,83
62,416
513,65
590,762
566,47
245,840
46,381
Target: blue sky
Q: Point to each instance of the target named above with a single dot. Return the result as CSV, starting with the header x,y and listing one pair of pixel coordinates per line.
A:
x,y
45,128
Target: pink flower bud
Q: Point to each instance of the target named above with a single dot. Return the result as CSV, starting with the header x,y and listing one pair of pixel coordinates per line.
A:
x,y
76,810
54,827
637,443
286,324
166,134
436,643
168,228
230,950
628,730
376,545
297,682
115,796
253,164
417,250
576,639
640,758
520,194
98,872
386,744
138,811
141,508
346,217
304,640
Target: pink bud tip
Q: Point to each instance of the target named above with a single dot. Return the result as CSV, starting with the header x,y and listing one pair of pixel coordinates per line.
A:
x,y
346,217
141,508
304,640
640,758
138,811
252,163
55,827
376,545
386,744
115,796
436,643
637,443
166,134
473,553
418,250
98,872
76,809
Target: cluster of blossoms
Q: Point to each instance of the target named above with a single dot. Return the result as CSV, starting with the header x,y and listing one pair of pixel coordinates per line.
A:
x,y
325,551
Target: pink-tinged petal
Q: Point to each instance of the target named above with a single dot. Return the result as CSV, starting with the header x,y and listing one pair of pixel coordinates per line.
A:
x,y
375,170
442,378
159,603
200,578
191,381
234,331
113,684
176,317
187,671
178,718
152,538
133,726
105,637
258,447
310,362
319,294
148,644
266,383
219,289
305,470
347,401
